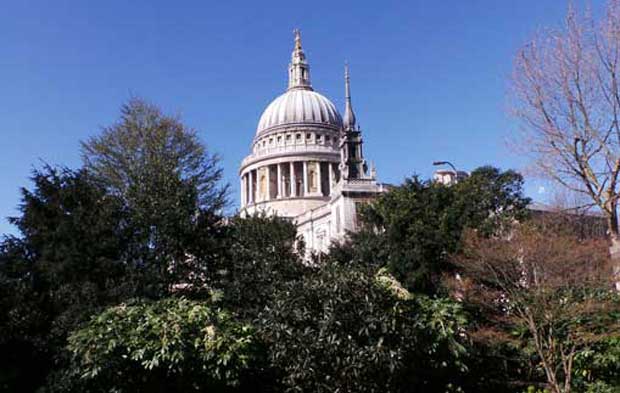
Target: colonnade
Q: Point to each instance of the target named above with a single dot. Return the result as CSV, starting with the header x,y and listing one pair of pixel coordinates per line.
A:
x,y
294,179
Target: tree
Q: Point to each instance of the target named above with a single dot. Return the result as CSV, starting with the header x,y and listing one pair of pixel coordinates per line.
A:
x,y
260,257
566,94
169,183
342,329
413,228
24,324
172,345
146,152
67,263
547,290
491,200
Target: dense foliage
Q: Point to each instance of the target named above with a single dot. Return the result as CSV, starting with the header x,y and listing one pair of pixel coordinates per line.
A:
x,y
261,255
597,368
65,266
416,226
344,329
172,345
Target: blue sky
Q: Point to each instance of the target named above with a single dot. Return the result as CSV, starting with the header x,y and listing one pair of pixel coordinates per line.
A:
x,y
429,78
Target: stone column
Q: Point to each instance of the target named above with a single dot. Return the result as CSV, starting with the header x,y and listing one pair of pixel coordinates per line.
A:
x,y
279,181
268,183
250,187
246,190
305,185
293,180
241,190
330,171
319,178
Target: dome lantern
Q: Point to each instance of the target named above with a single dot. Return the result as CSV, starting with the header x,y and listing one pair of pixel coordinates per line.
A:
x,y
298,69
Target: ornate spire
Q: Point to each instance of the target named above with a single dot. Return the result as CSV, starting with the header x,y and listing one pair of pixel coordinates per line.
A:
x,y
352,163
297,39
349,116
298,70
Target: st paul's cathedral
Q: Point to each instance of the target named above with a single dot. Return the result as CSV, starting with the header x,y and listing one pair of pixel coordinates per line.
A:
x,y
307,163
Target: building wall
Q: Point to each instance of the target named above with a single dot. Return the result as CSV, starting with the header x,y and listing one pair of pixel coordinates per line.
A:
x,y
332,221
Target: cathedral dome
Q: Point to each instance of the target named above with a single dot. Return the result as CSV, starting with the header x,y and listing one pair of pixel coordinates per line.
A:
x,y
300,106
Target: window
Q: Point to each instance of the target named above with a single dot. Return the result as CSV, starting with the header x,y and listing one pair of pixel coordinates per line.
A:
x,y
318,138
288,137
271,141
279,139
308,136
298,137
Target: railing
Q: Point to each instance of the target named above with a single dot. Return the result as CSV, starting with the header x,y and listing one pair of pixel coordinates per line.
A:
x,y
282,150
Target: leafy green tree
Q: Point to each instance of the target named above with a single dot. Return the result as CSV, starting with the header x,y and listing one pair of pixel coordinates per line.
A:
x,y
491,200
341,329
146,152
171,186
413,228
171,345
67,263
261,256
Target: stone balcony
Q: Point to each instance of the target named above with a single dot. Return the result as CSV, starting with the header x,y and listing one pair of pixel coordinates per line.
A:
x,y
290,150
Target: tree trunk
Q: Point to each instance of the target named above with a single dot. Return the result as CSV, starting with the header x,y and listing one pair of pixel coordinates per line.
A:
x,y
614,248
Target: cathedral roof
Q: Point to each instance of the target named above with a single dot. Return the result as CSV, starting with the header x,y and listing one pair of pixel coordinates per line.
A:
x,y
299,107
300,104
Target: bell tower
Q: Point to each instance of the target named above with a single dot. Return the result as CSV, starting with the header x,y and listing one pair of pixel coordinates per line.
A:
x,y
352,163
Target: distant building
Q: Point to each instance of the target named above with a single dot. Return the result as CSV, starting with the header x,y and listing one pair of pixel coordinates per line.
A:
x,y
307,163
449,176
583,223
